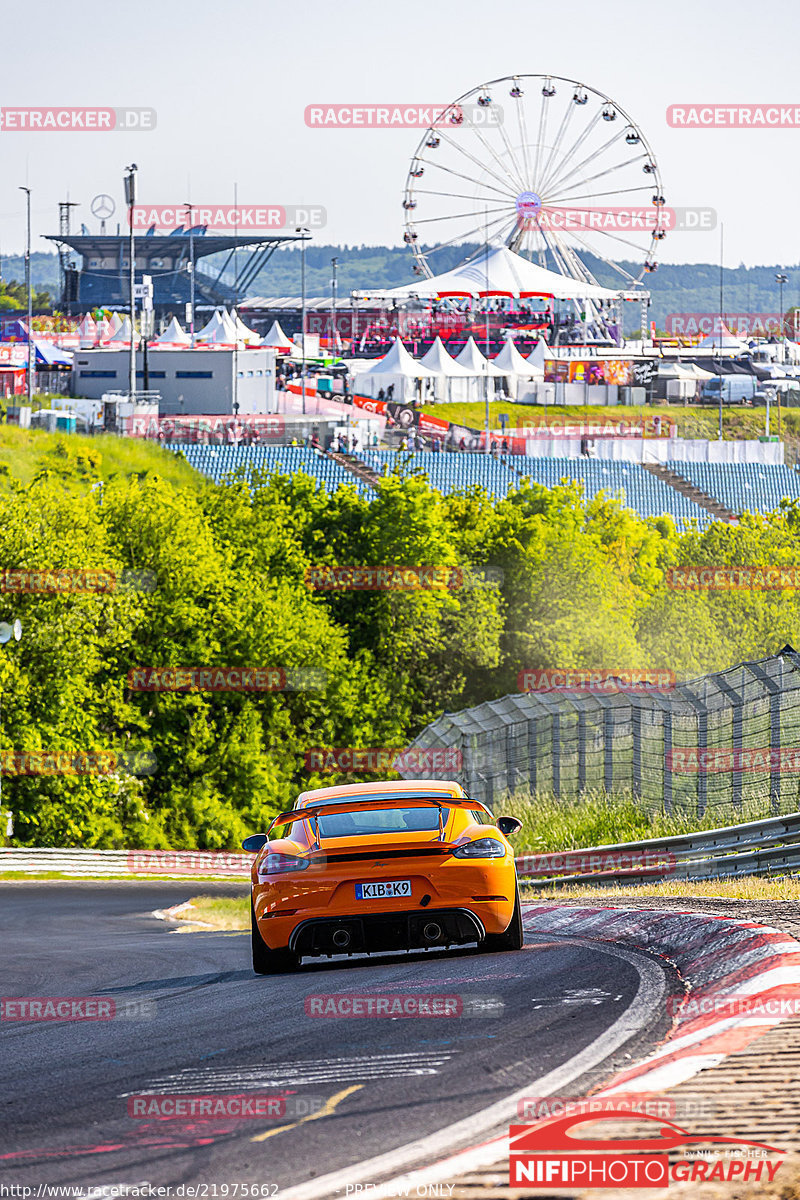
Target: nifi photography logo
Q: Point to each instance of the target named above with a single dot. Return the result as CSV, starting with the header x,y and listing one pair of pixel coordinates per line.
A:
x,y
550,1154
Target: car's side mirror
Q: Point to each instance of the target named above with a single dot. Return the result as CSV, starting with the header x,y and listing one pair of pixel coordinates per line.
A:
x,y
254,842
508,826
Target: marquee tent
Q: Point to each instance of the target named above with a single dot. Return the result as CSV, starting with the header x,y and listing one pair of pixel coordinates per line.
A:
x,y
276,339
87,331
723,339
538,354
218,331
455,382
122,337
396,369
475,362
500,272
173,335
515,367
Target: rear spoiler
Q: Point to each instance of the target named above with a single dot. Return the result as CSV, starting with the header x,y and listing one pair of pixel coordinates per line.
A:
x,y
312,812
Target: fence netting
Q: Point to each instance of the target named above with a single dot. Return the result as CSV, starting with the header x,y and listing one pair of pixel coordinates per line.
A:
x,y
727,742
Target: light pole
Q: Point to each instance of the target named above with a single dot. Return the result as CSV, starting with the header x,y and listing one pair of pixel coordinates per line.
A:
x,y
334,261
306,234
781,280
130,200
7,632
31,347
191,269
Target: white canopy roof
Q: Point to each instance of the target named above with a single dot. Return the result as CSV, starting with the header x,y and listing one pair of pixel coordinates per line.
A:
x,y
173,335
722,339
277,339
219,331
475,362
245,335
87,330
437,359
510,359
397,362
538,354
501,272
123,334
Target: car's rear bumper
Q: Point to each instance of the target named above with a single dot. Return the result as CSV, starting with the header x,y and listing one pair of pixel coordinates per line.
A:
x,y
369,932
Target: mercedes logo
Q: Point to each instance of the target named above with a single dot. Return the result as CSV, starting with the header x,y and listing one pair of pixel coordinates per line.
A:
x,y
103,207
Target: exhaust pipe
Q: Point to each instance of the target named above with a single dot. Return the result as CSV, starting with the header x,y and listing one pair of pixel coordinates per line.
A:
x,y
341,939
432,932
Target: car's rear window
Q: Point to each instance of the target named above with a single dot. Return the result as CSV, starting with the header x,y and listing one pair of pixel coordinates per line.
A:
x,y
379,820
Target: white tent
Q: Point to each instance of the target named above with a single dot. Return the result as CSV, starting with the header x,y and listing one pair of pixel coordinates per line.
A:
x,y
475,362
87,331
105,331
538,354
219,331
398,370
455,382
248,336
276,339
515,367
173,335
123,335
500,272
510,359
722,339
116,323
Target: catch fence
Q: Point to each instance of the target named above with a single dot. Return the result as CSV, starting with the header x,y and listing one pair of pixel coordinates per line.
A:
x,y
726,743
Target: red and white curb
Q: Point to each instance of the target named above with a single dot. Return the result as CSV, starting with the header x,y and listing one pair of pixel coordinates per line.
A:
x,y
716,957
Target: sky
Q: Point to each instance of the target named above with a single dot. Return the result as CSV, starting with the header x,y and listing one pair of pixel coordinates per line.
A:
x,y
230,84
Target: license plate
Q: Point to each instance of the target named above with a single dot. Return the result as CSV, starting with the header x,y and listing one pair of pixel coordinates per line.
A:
x,y
383,891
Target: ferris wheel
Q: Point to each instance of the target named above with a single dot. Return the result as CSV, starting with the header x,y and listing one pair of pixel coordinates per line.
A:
x,y
553,169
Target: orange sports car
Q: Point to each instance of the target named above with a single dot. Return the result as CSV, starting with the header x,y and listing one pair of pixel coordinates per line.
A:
x,y
382,866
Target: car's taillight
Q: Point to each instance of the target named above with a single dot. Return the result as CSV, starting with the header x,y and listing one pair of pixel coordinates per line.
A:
x,y
485,847
279,864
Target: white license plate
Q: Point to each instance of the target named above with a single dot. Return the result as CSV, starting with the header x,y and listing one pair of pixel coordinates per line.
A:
x,y
383,891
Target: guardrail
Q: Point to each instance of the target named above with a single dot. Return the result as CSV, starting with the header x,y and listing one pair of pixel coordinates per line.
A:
x,y
755,848
104,864
764,847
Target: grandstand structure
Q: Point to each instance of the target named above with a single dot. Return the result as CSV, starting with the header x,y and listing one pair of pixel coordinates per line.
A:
x,y
102,279
733,487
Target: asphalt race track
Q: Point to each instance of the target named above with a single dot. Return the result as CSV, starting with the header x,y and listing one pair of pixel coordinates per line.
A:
x,y
199,1022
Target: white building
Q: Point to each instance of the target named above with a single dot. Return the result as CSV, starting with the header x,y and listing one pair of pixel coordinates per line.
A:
x,y
190,381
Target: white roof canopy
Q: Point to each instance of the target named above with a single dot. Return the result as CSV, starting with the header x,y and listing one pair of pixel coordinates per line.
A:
x,y
173,335
475,362
276,339
437,359
510,359
397,362
500,272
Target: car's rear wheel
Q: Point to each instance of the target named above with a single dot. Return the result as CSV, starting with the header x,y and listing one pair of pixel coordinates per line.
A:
x,y
512,938
266,961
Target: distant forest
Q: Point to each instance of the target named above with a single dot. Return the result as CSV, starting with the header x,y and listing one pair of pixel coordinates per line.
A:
x,y
674,288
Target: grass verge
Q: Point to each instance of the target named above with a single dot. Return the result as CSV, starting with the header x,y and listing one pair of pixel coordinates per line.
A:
x,y
221,912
